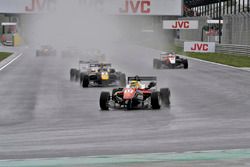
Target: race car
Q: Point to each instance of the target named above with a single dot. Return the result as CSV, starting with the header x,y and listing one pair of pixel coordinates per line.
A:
x,y
102,74
83,67
46,50
169,60
136,95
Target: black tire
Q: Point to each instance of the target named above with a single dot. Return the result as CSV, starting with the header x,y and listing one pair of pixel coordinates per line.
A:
x,y
156,63
129,105
77,75
155,101
165,96
104,101
38,53
185,63
72,74
85,81
81,77
122,80
112,70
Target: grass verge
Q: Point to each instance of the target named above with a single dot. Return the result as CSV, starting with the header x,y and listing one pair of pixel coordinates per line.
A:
x,y
227,59
4,55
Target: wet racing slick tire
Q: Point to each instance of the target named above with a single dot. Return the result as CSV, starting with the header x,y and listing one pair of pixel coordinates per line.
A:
x,y
155,100
38,53
104,101
72,74
85,81
165,96
81,77
77,75
156,64
185,63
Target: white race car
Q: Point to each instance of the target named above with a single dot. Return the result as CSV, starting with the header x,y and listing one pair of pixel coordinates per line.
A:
x,y
169,60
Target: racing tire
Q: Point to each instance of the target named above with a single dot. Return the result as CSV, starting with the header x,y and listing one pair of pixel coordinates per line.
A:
x,y
112,70
122,80
77,75
81,77
38,53
165,96
129,105
72,74
104,101
155,100
85,81
156,64
185,63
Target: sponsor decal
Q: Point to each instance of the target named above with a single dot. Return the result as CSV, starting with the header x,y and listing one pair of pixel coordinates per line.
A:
x,y
180,24
40,5
203,47
138,6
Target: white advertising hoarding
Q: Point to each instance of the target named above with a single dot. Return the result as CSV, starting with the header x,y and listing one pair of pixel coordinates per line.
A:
x,y
27,6
180,24
144,7
115,7
202,47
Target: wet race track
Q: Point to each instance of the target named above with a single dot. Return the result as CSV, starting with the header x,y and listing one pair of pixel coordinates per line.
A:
x,y
44,115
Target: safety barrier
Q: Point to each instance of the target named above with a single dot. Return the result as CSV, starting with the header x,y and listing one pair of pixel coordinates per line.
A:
x,y
224,48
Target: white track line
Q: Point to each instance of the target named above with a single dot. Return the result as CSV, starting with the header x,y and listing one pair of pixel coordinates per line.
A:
x,y
10,62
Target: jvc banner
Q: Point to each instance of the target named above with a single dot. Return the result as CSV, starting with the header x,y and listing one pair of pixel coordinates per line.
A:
x,y
203,47
180,24
113,7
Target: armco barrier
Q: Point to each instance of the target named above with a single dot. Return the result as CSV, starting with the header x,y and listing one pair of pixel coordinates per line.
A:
x,y
243,50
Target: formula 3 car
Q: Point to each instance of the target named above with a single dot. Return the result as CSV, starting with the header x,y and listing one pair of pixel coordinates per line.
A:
x,y
169,60
83,67
102,74
136,95
46,50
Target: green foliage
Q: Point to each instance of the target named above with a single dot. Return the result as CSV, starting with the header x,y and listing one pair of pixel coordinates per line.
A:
x,y
4,55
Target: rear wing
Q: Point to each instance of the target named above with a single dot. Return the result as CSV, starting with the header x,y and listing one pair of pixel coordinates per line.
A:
x,y
87,62
100,65
142,78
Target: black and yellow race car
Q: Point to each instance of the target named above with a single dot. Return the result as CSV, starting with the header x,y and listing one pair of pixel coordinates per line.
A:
x,y
102,74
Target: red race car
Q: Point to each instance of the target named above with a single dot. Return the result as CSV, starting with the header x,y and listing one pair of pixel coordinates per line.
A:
x,y
137,94
169,60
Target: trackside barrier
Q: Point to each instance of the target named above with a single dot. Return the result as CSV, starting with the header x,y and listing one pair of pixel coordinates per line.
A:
x,y
243,50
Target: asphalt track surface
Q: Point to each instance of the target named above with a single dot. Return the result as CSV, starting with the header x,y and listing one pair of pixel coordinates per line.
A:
x,y
44,115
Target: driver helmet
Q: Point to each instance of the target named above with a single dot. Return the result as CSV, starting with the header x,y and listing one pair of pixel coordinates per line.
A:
x,y
135,84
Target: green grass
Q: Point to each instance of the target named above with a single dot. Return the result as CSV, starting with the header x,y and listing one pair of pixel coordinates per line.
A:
x,y
4,55
227,59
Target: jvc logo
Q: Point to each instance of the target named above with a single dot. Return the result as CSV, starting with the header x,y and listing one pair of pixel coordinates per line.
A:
x,y
40,5
136,6
199,47
181,24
